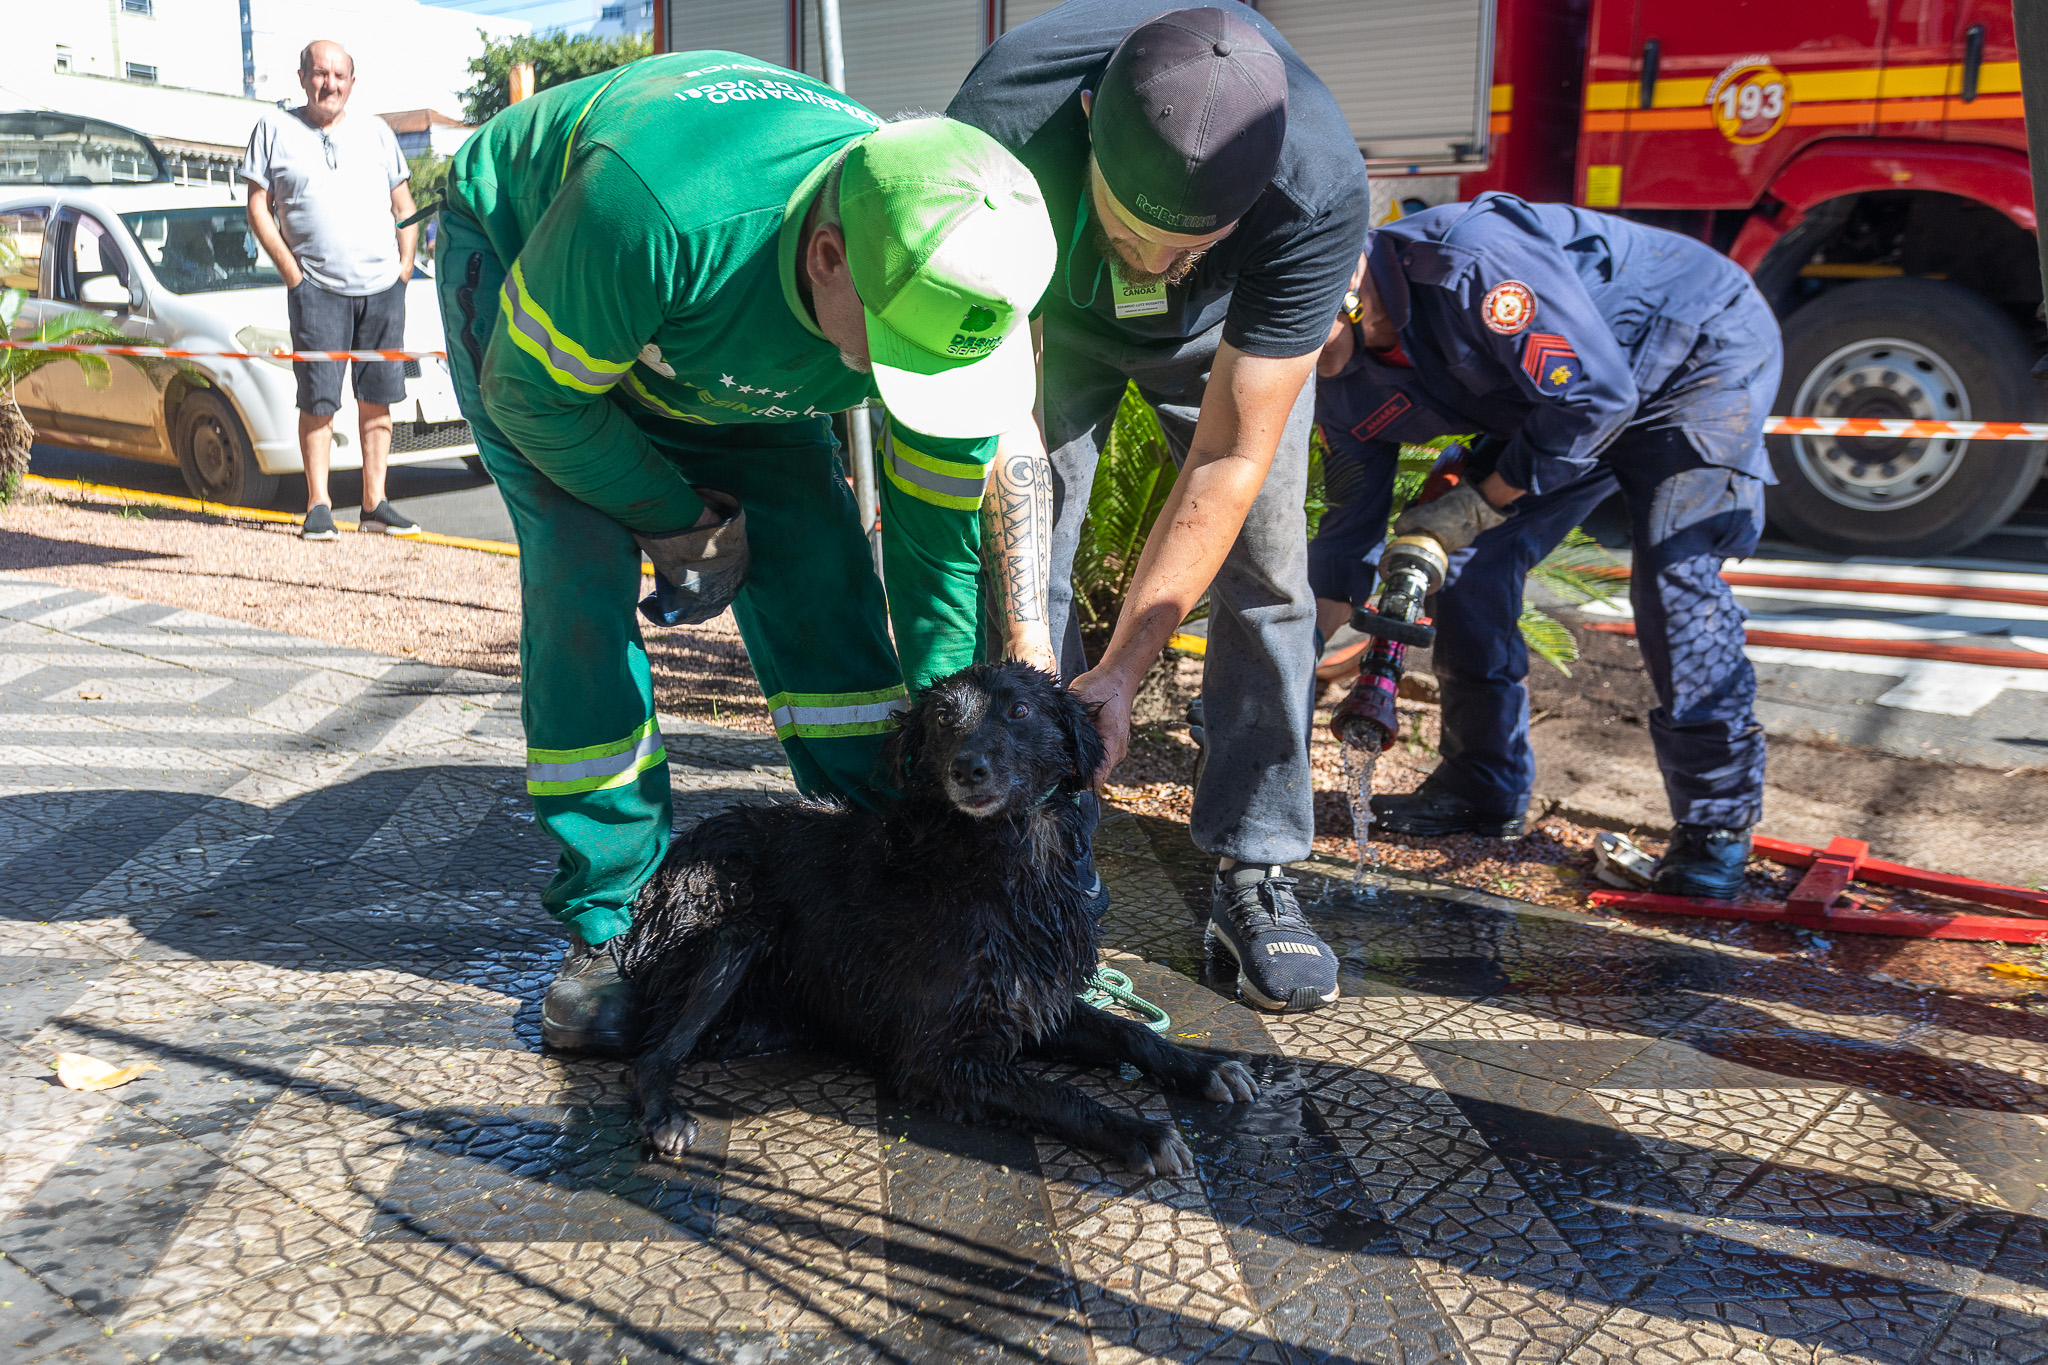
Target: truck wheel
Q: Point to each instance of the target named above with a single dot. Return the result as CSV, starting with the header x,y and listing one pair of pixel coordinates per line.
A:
x,y
1902,348
215,455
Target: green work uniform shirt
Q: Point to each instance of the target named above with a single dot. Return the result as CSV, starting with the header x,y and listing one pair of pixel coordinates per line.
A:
x,y
650,217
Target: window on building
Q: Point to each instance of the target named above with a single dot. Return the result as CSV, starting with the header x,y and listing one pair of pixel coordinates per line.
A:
x,y
143,7
63,57
610,12
138,72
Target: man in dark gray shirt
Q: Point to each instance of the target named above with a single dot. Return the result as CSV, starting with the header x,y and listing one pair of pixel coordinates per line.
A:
x,y
1210,203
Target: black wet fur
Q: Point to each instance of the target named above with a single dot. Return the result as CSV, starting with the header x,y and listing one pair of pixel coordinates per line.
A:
x,y
934,944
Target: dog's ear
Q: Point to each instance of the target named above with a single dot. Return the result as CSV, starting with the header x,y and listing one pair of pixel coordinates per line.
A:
x,y
903,751
1084,746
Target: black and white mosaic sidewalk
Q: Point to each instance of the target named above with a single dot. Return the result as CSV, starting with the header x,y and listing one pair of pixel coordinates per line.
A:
x,y
302,881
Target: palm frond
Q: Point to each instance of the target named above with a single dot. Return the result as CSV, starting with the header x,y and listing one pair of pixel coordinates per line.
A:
x,y
1548,638
1579,571
1132,480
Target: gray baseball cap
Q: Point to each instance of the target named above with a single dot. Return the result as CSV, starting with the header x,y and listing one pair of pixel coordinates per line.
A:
x,y
1189,120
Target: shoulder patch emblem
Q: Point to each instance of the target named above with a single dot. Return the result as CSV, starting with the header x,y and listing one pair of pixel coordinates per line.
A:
x,y
1509,307
1550,362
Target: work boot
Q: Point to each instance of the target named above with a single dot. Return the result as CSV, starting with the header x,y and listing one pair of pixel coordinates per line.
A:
x,y
1430,810
1703,861
589,1006
1282,965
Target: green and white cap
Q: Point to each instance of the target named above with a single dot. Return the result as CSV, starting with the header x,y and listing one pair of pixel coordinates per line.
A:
x,y
950,248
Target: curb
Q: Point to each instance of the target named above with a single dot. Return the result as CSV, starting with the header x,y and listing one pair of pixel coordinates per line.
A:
x,y
230,513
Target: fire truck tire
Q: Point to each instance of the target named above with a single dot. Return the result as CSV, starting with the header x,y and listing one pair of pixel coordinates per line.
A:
x,y
1902,348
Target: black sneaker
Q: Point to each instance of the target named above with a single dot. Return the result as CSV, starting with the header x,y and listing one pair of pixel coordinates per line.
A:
x,y
1703,861
1092,890
1429,810
319,523
1281,964
590,1006
388,519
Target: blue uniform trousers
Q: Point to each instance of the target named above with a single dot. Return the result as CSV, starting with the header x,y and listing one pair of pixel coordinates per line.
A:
x,y
1687,517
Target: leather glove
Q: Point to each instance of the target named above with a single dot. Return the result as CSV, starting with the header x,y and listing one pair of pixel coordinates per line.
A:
x,y
1455,520
697,572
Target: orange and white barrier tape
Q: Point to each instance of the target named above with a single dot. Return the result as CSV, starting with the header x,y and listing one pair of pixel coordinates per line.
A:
x,y
172,353
1773,426
1905,426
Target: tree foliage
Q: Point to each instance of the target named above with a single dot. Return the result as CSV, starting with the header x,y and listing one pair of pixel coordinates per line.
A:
x,y
429,171
557,59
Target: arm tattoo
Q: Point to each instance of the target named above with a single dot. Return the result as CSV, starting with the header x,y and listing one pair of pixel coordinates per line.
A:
x,y
1017,532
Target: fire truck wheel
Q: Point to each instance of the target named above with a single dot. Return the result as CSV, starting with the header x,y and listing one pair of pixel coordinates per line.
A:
x,y
1902,348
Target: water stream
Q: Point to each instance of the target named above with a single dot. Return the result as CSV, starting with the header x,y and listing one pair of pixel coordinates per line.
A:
x,y
1358,770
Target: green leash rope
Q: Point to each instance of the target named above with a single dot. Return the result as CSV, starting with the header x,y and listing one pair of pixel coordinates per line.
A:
x,y
1109,986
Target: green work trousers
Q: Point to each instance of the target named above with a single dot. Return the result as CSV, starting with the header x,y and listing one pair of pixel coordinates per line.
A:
x,y
811,613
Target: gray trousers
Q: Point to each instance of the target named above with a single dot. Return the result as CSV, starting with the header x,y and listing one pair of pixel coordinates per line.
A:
x,y
1255,802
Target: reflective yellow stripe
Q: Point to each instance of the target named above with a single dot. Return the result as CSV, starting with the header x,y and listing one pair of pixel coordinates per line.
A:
x,y
835,715
1820,86
640,391
943,483
565,772
534,332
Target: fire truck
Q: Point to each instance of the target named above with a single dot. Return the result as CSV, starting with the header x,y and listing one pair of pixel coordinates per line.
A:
x,y
1865,160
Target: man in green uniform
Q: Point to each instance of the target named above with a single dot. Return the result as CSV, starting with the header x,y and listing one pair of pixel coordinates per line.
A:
x,y
657,284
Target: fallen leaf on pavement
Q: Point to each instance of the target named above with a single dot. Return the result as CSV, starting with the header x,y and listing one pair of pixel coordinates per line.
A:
x,y
91,696
2017,969
76,1071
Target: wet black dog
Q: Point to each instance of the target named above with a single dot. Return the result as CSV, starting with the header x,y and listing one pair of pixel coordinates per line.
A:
x,y
935,944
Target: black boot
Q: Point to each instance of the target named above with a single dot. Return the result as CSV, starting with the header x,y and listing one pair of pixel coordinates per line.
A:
x,y
1703,861
589,1006
1431,810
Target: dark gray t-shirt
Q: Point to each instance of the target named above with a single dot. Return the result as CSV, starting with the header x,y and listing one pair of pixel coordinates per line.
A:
x,y
1275,283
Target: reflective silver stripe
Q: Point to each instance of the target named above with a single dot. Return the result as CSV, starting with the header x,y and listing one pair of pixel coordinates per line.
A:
x,y
944,484
536,331
865,714
611,765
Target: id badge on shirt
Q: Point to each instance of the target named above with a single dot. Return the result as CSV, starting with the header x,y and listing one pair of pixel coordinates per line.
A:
x,y
1136,300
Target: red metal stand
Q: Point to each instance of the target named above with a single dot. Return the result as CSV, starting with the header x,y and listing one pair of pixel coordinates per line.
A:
x,y
1813,903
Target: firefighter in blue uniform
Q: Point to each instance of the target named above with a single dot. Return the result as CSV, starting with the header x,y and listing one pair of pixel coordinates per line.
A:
x,y
1587,354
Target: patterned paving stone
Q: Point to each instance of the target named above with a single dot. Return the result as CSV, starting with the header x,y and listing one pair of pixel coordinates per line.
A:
x,y
302,881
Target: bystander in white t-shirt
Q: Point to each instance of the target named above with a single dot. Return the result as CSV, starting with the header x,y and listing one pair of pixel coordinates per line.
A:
x,y
331,188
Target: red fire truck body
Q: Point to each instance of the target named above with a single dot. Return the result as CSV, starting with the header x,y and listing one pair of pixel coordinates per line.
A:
x,y
1866,161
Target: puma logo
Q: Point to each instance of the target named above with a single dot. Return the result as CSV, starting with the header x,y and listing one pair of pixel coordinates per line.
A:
x,y
1298,949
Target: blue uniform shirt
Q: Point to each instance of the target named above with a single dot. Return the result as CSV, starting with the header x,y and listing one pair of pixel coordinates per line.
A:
x,y
1552,328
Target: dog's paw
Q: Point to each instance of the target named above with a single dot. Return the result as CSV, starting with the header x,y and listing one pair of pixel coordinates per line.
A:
x,y
1231,1083
1163,1152
671,1137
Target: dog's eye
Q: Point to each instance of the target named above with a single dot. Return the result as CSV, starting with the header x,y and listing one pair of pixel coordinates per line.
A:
x,y
1020,710
947,715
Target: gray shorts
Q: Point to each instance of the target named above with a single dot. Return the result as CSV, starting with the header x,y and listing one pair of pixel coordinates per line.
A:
x,y
326,321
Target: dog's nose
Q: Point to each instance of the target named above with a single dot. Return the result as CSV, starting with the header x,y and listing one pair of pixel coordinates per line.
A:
x,y
971,768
